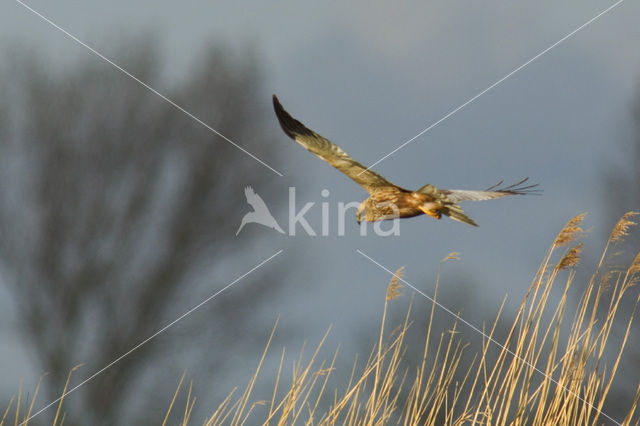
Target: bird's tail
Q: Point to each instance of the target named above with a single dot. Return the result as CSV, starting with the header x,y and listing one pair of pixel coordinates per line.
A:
x,y
455,212
445,205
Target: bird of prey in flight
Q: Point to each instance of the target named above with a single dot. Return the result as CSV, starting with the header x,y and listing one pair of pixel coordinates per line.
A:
x,y
387,200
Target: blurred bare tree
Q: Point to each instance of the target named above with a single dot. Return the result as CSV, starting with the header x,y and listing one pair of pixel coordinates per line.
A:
x,y
114,205
622,194
621,189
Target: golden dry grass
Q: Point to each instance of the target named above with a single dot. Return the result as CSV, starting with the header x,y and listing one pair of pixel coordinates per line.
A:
x,y
537,377
546,370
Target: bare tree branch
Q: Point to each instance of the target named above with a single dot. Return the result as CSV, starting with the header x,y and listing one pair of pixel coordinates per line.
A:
x,y
111,202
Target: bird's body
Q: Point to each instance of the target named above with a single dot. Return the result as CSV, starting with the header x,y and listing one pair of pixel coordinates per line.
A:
x,y
395,202
387,200
392,202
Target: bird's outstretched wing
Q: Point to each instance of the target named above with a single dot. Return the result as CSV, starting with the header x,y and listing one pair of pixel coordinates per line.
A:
x,y
495,191
328,151
255,200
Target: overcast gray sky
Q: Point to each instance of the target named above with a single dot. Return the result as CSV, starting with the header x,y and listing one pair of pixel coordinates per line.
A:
x,y
371,75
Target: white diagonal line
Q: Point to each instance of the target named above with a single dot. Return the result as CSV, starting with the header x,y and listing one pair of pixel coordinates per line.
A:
x,y
590,21
104,58
139,345
489,338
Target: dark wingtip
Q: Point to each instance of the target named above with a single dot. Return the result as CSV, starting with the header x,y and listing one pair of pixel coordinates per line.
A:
x,y
289,125
277,107
276,103
284,118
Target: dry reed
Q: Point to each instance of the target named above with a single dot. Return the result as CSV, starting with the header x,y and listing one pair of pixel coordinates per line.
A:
x,y
544,371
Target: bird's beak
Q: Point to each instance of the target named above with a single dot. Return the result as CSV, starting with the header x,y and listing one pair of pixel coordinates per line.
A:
x,y
358,217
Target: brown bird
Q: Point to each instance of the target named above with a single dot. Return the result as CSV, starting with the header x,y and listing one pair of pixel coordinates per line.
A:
x,y
387,200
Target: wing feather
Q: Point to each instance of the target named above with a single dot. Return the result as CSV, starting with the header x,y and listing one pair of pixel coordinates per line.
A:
x,y
254,200
328,151
456,195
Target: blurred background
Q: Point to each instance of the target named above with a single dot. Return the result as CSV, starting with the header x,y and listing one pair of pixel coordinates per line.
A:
x,y
118,212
